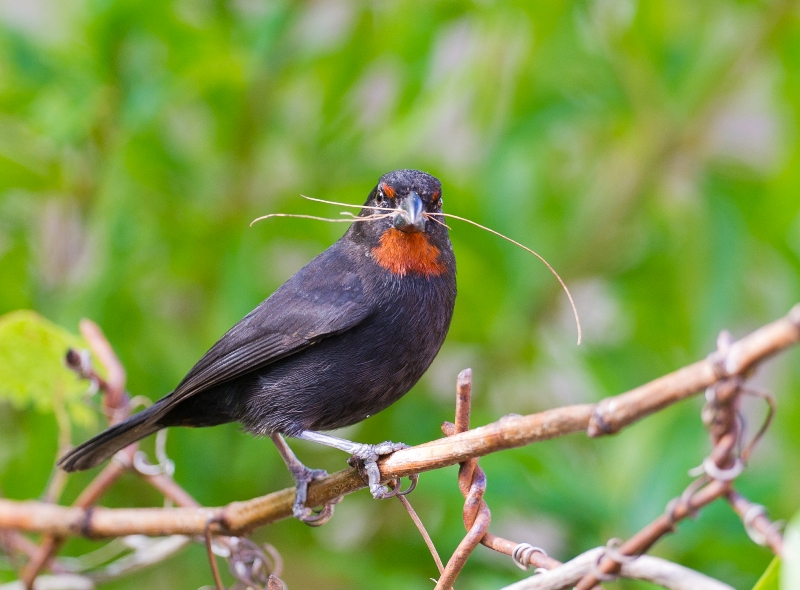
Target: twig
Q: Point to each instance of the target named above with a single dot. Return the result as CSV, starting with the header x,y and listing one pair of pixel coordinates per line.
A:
x,y
113,387
51,543
13,542
171,490
422,531
652,569
646,538
472,482
758,526
614,413
721,468
506,433
117,406
608,416
212,560
148,551
478,527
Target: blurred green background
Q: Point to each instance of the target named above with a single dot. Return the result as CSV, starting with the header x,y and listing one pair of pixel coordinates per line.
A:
x,y
649,151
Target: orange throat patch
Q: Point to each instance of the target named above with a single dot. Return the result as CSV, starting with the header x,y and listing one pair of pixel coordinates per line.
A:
x,y
401,253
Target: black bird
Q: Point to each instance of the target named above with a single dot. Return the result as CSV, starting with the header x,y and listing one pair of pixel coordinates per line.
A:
x,y
341,340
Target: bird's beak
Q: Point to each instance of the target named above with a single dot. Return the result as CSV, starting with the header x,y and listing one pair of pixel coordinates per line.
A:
x,y
410,217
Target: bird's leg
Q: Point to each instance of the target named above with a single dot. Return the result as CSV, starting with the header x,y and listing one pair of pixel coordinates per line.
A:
x,y
366,454
302,477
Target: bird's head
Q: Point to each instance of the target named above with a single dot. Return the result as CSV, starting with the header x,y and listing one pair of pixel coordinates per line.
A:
x,y
411,194
404,236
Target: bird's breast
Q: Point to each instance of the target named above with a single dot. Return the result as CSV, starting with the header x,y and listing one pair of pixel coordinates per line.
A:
x,y
404,253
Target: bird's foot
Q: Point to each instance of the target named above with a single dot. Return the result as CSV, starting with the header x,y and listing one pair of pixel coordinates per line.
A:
x,y
365,458
302,477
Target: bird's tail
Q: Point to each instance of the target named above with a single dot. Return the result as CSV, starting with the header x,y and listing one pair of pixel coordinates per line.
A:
x,y
97,449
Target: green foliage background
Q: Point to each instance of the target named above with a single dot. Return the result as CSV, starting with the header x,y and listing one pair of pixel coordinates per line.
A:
x,y
649,150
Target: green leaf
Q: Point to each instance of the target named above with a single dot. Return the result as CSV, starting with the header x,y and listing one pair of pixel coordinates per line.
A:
x,y
32,370
784,574
790,572
769,579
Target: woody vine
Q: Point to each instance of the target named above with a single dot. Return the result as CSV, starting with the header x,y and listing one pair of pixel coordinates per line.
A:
x,y
723,376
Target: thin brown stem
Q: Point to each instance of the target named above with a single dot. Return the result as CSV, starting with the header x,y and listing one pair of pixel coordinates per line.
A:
x,y
422,531
212,559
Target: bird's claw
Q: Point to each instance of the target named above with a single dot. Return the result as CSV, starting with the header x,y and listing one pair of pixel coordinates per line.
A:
x,y
366,459
303,513
312,517
414,479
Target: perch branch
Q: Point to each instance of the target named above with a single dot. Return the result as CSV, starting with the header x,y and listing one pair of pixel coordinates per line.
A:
x,y
608,416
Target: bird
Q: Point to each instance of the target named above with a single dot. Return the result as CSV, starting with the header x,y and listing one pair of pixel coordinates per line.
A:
x,y
342,339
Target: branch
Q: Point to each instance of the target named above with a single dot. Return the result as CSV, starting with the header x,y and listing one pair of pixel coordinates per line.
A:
x,y
614,413
758,526
645,567
114,398
725,425
608,416
117,408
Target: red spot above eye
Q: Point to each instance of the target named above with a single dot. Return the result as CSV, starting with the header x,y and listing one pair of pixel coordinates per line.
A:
x,y
388,190
435,196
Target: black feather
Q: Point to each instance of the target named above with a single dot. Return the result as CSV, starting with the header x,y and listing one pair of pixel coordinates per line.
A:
x,y
341,340
108,442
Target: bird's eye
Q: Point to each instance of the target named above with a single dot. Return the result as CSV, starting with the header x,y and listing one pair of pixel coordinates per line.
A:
x,y
435,196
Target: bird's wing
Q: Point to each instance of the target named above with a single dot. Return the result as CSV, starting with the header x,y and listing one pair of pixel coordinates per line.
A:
x,y
324,298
